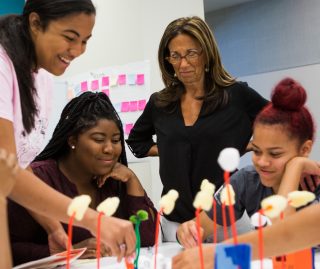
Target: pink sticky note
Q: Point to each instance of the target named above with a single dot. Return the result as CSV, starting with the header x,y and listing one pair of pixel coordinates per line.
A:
x,y
106,92
140,79
105,81
125,106
133,105
122,79
142,104
128,128
94,85
84,86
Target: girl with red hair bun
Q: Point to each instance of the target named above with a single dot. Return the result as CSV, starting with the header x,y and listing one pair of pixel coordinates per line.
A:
x,y
283,135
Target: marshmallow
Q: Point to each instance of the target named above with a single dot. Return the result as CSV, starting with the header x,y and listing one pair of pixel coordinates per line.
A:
x,y
255,220
229,159
109,206
203,200
167,201
273,205
79,206
224,197
300,198
207,186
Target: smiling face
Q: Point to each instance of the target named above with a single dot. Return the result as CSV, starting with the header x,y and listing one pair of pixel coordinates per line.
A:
x,y
272,149
192,71
62,41
98,149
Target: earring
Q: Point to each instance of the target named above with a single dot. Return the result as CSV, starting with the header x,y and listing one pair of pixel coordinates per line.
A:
x,y
73,146
206,69
175,75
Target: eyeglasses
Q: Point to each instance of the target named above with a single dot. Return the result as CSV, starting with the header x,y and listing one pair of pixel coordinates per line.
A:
x,y
191,56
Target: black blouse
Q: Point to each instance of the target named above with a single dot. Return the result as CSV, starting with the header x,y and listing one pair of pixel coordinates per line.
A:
x,y
188,154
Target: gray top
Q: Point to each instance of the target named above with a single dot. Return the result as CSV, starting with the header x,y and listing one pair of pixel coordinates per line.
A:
x,y
249,192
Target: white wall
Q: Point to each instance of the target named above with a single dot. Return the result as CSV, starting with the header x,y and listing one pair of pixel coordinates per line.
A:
x,y
129,31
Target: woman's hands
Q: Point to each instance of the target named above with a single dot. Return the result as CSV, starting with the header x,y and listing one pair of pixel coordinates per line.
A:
x,y
187,234
91,252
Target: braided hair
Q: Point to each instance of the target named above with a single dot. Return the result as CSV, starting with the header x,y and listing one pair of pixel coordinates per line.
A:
x,y
80,114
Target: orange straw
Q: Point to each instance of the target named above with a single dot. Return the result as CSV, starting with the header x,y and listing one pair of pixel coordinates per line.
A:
x,y
156,237
260,238
231,209
214,208
224,221
199,238
99,238
70,239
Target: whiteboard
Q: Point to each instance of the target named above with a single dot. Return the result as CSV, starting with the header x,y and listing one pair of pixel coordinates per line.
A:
x,y
128,87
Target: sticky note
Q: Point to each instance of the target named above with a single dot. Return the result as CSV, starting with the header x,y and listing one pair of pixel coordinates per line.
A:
x,y
84,86
94,85
113,80
125,106
106,92
122,79
133,106
132,79
142,104
140,79
128,128
105,81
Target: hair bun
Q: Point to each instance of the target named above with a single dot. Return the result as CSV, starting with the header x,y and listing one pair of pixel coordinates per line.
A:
x,y
288,95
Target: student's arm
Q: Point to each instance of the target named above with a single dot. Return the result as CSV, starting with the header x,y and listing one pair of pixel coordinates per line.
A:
x,y
34,194
8,169
296,232
5,250
295,169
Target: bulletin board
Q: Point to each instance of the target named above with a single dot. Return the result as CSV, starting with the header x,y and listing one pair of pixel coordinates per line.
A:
x,y
128,87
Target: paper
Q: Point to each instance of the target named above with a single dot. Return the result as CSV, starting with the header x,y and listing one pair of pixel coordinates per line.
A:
x,y
122,79
94,85
105,81
53,261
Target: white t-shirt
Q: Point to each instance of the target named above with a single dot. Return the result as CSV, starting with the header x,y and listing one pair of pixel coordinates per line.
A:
x,y
29,145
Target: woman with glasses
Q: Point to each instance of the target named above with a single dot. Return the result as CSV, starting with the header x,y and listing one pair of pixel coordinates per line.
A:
x,y
201,111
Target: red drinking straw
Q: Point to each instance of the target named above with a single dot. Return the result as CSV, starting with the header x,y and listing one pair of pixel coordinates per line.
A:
x,y
231,209
156,237
199,238
224,221
260,238
214,208
282,257
70,239
99,238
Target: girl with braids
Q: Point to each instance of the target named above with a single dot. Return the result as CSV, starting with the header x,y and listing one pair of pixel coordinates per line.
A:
x,y
43,41
85,155
283,135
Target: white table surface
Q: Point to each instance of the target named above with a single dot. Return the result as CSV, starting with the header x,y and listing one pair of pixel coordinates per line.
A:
x,y
166,251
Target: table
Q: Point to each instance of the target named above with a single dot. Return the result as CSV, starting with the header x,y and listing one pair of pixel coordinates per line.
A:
x,y
166,252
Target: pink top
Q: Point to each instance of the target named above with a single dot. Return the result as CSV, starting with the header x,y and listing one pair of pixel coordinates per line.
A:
x,y
28,146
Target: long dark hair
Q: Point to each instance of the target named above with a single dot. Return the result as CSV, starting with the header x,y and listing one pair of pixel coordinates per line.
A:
x,y
79,115
16,41
216,77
